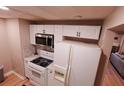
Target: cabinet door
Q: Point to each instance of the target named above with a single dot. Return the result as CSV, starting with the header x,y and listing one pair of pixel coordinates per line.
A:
x,y
27,73
49,29
40,28
90,32
70,30
58,33
33,29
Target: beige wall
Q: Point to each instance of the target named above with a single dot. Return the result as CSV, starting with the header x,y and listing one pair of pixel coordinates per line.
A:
x,y
12,27
14,40
19,41
5,54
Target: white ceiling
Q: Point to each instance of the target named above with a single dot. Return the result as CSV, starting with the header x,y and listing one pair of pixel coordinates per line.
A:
x,y
57,12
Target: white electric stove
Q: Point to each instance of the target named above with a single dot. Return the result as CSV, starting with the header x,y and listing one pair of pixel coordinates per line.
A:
x,y
38,68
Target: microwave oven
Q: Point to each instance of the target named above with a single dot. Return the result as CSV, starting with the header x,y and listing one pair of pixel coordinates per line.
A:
x,y
44,39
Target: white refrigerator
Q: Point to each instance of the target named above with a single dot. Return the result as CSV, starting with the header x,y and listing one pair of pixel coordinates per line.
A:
x,y
75,64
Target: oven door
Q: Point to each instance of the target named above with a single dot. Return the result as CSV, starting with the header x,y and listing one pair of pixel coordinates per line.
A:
x,y
37,76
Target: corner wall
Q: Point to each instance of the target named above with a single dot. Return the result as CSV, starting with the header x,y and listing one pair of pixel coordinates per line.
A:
x,y
107,37
19,41
12,27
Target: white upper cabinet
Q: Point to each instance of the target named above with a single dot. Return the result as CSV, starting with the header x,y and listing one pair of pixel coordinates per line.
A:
x,y
40,28
70,30
58,33
33,29
48,29
88,32
44,29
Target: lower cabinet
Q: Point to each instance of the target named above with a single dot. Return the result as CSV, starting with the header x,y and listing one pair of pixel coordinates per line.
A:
x,y
26,67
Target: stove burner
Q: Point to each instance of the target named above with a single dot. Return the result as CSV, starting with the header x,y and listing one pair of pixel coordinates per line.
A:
x,y
44,64
42,61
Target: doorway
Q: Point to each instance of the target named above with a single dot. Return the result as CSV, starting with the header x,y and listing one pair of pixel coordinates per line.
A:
x,y
114,70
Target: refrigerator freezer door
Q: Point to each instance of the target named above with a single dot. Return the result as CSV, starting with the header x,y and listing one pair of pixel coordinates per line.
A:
x,y
61,62
62,54
84,65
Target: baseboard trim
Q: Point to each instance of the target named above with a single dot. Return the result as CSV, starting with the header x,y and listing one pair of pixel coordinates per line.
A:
x,y
20,76
13,72
8,73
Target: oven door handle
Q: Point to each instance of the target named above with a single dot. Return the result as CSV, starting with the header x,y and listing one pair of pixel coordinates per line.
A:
x,y
33,69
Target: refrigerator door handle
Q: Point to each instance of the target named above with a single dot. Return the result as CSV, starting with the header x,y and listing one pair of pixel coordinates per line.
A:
x,y
67,76
68,68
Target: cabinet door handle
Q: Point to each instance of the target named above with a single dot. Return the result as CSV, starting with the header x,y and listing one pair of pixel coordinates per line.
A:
x,y
43,31
77,33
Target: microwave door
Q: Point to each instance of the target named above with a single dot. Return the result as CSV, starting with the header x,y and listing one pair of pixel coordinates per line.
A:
x,y
41,40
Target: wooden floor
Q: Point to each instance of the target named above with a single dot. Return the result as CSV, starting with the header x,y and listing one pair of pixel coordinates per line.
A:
x,y
112,78
13,80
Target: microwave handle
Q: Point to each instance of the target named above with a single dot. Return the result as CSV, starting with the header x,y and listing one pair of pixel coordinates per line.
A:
x,y
43,31
47,41
52,44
